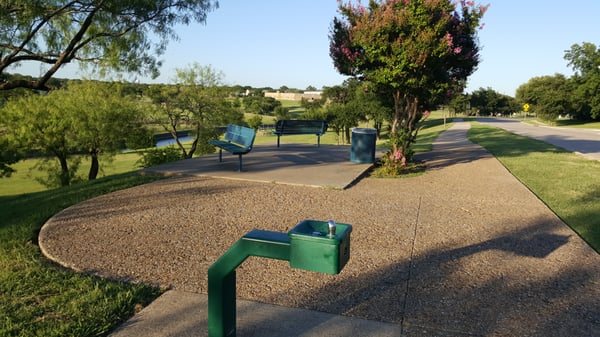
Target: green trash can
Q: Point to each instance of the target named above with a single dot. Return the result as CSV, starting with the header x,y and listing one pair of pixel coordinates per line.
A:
x,y
362,149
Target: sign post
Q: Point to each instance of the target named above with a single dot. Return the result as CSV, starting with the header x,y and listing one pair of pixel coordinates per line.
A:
x,y
525,108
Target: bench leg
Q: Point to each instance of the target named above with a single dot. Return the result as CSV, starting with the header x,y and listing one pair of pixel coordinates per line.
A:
x,y
220,155
318,140
278,140
240,169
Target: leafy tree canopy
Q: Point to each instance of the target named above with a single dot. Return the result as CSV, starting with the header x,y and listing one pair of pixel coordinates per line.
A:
x,y
86,117
411,46
548,96
9,154
198,103
585,61
123,36
417,51
488,102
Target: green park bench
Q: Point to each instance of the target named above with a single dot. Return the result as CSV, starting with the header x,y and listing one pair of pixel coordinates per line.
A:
x,y
300,127
238,140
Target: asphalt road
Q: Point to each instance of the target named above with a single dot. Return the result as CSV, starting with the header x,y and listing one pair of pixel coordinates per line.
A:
x,y
583,141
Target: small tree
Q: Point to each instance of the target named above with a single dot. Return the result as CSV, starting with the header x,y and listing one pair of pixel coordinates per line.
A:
x,y
37,123
417,51
103,119
260,104
197,102
346,108
255,121
87,117
311,104
282,113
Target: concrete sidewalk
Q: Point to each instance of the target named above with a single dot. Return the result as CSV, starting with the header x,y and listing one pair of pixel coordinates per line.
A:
x,y
183,314
294,164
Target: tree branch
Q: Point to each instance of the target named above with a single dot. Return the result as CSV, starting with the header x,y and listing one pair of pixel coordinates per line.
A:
x,y
12,57
67,55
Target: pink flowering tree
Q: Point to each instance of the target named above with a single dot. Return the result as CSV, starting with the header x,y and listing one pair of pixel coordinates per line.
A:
x,y
419,52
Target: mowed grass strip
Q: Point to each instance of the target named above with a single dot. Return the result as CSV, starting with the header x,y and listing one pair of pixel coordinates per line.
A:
x,y
39,298
568,183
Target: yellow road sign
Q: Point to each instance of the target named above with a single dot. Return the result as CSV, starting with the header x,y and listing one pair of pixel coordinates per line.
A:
x,y
525,107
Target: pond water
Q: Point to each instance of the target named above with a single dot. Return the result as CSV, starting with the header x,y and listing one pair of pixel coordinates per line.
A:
x,y
171,141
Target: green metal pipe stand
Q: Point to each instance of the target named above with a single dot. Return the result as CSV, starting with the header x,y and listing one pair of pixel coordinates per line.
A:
x,y
318,246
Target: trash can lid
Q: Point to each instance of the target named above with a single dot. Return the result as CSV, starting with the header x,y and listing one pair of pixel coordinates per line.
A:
x,y
364,130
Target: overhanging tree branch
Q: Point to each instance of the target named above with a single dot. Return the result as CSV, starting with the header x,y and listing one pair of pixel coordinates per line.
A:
x,y
111,34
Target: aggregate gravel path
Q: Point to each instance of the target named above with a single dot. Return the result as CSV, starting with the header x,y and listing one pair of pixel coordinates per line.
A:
x,y
462,250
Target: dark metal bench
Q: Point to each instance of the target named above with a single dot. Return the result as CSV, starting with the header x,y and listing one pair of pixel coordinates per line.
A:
x,y
300,127
238,140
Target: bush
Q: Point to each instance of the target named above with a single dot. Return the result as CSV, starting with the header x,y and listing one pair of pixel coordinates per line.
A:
x,y
161,155
255,121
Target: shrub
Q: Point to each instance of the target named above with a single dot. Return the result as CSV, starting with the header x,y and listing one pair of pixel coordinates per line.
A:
x,y
160,155
255,121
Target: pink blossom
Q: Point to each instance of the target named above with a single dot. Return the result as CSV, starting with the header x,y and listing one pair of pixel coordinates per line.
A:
x,y
449,39
457,50
398,155
426,113
483,8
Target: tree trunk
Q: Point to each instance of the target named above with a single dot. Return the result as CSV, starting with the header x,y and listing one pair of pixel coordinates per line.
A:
x,y
95,165
181,147
347,133
378,125
194,143
65,177
397,119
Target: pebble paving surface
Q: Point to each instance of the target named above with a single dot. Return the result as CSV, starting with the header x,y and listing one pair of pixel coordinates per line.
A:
x,y
462,250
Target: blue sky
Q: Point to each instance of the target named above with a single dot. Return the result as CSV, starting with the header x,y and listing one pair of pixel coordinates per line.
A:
x,y
271,43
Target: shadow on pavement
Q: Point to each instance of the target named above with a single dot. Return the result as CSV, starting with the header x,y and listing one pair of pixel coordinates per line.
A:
x,y
444,295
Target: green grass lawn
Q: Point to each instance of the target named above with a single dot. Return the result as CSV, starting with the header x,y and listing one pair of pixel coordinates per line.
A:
x,y
39,298
24,179
568,183
577,124
294,107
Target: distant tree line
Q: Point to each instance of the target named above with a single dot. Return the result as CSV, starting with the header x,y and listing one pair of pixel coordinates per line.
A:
x,y
577,96
549,97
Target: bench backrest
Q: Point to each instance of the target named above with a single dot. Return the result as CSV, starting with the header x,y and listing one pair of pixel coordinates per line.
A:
x,y
301,125
240,135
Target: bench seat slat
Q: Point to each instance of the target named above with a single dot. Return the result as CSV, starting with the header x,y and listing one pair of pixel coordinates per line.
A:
x,y
230,147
